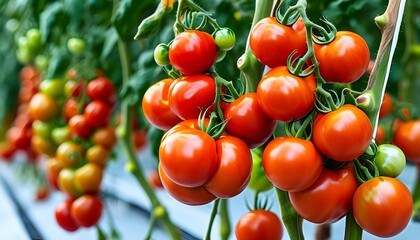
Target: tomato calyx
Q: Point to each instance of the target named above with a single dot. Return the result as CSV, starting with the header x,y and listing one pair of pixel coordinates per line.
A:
x,y
301,128
327,101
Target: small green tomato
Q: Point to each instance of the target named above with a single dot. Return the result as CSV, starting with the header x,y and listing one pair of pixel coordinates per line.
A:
x,y
390,160
225,39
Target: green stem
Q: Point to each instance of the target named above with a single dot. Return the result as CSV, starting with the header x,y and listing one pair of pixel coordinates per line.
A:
x,y
224,219
152,224
251,68
291,220
212,217
353,230
416,196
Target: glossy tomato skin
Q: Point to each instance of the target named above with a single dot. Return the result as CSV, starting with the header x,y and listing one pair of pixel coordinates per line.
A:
x,y
101,89
188,156
87,210
64,218
259,224
343,134
105,137
190,95
386,106
248,121
296,95
407,138
43,107
97,113
233,170
156,108
390,160
272,42
70,108
88,178
80,126
192,52
292,164
190,196
382,206
329,198
345,59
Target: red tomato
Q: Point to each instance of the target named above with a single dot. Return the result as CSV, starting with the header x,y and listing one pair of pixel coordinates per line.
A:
x,y
272,42
70,109
233,170
98,114
382,206
139,139
156,108
407,138
292,164
329,198
343,134
190,196
20,138
248,122
87,210
192,52
386,106
380,135
80,127
296,95
7,150
345,59
188,96
188,155
42,107
101,89
105,137
259,224
154,179
64,218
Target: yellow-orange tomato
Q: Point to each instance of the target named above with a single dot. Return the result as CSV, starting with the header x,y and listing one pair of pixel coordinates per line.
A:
x,y
43,146
69,153
98,154
105,137
42,107
66,182
88,178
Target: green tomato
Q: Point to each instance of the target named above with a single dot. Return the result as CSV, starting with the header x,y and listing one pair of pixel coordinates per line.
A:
x,y
23,55
61,134
225,39
52,87
259,181
42,129
41,62
33,37
76,46
161,54
390,160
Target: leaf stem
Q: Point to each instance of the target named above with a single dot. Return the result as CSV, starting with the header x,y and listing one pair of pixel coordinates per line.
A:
x,y
224,219
353,230
291,220
212,217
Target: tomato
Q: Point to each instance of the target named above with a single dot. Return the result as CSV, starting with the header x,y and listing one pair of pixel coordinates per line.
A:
x,y
64,217
259,224
52,87
70,109
42,107
80,126
72,89
192,52
259,181
247,120
139,139
190,196
272,42
87,210
190,95
105,137
69,153
386,106
161,54
390,160
88,178
233,170
382,206
98,114
154,179
295,94
156,108
42,62
76,46
66,182
345,59
43,145
20,138
380,135
42,193
407,137
33,36
292,164
61,134
98,154
329,198
343,134
41,128
188,156
101,89
7,150
225,39
53,170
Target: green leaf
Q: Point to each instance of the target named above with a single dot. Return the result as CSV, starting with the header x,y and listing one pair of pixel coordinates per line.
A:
x,y
110,43
59,62
49,18
75,9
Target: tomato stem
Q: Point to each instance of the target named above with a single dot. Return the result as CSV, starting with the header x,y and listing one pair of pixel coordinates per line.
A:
x,y
224,219
353,230
291,220
152,224
416,196
212,217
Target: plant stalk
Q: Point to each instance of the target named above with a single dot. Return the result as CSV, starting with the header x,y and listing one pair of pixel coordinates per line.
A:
x,y
291,220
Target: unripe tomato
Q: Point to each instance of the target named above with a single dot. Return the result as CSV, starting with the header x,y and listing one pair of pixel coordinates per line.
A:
x,y
66,182
76,46
98,154
259,224
87,210
225,39
61,134
69,153
43,145
52,87
33,37
42,129
88,178
390,160
161,54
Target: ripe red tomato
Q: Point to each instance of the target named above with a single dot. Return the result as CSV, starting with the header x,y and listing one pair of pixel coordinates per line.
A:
x,y
380,135
42,107
70,108
87,210
248,122
156,108
407,138
329,198
139,139
382,206
192,52
188,155
97,113
154,179
296,95
259,224
190,196
20,138
190,95
272,42
64,217
80,127
386,106
101,89
233,170
343,134
345,59
292,164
